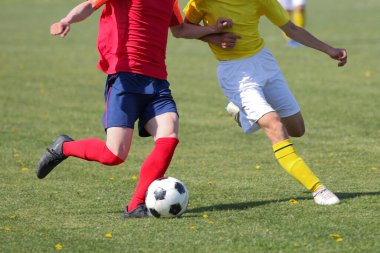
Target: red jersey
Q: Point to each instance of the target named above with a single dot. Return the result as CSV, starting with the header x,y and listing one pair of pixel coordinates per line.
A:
x,y
133,35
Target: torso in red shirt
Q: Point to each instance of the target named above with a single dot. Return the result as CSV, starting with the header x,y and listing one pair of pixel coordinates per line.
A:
x,y
133,35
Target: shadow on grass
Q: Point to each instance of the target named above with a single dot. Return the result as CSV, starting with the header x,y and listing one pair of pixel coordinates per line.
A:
x,y
251,204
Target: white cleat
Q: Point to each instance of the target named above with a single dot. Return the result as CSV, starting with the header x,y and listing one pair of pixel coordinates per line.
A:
x,y
233,110
324,196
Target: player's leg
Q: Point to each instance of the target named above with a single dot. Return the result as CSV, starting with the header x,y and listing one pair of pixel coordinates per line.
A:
x,y
294,124
121,112
88,149
263,98
287,120
286,4
291,162
299,13
163,127
285,153
111,153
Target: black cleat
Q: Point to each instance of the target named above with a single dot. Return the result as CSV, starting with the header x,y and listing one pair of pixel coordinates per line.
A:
x,y
140,212
52,157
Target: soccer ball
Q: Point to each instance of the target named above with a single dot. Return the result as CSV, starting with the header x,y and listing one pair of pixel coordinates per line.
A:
x,y
167,197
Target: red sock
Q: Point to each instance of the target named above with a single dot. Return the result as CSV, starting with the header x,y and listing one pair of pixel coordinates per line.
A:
x,y
154,166
91,150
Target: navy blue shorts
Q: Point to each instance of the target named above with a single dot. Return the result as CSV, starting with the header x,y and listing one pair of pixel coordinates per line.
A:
x,y
131,96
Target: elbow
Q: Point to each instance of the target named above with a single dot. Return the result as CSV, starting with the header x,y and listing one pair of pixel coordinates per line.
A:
x,y
289,29
177,31
176,35
93,4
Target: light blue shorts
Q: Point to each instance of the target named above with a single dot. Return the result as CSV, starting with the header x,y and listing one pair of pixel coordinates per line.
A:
x,y
257,86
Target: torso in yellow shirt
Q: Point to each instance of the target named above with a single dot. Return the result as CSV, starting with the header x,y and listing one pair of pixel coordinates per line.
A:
x,y
245,15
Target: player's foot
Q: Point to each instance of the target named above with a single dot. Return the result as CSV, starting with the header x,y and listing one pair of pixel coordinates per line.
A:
x,y
234,111
52,157
140,212
323,196
293,43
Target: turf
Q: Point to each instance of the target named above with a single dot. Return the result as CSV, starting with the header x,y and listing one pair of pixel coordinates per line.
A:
x,y
239,196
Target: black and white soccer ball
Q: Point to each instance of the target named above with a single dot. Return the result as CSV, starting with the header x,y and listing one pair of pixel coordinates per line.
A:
x,y
167,197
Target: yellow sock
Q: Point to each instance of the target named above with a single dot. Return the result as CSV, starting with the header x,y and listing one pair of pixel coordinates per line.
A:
x,y
295,165
299,18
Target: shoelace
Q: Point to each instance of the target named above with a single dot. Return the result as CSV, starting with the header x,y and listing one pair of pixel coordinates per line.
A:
x,y
325,194
56,157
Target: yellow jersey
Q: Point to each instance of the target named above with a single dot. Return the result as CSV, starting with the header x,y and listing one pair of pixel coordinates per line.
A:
x,y
245,15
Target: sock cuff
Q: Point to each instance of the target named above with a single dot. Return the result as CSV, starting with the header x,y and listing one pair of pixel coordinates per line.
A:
x,y
109,158
283,148
167,140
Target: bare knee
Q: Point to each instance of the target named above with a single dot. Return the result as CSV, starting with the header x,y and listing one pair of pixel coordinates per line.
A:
x,y
111,160
294,125
273,127
296,132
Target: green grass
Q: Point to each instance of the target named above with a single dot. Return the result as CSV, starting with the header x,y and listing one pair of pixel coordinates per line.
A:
x,y
50,86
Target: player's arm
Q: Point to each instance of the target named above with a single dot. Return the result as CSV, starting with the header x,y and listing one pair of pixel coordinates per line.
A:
x,y
190,31
223,40
302,36
77,14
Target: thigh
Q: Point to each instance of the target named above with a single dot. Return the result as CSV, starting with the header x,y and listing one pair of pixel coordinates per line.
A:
x,y
285,104
160,111
122,104
280,97
253,106
243,83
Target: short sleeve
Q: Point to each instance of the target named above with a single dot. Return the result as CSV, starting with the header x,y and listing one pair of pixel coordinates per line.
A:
x,y
193,11
98,3
176,16
273,10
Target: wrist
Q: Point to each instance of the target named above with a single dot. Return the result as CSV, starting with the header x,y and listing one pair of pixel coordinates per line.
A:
x,y
330,50
213,29
65,21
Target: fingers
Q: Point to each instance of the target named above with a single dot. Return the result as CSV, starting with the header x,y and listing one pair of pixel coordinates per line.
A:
x,y
65,31
229,40
226,45
227,24
342,58
234,36
59,29
224,23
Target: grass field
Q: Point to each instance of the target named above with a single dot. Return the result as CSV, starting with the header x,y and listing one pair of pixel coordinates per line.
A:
x,y
239,195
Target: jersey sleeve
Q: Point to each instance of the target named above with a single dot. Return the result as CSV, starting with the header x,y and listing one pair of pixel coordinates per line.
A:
x,y
96,4
176,16
193,11
273,10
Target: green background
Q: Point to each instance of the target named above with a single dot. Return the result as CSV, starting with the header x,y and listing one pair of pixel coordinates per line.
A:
x,y
239,196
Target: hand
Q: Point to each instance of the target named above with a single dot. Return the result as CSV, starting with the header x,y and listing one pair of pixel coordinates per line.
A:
x,y
60,28
223,40
228,40
223,23
339,54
